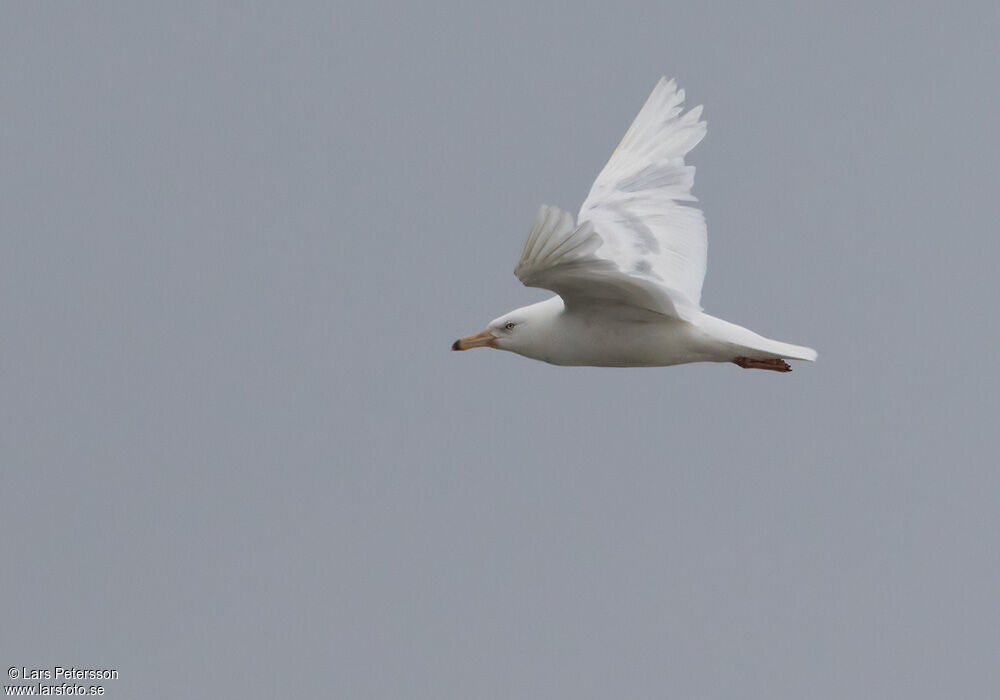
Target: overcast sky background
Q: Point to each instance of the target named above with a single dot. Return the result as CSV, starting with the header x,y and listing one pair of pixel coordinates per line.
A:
x,y
239,459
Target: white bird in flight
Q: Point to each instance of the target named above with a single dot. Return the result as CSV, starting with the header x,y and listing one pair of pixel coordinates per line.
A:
x,y
628,274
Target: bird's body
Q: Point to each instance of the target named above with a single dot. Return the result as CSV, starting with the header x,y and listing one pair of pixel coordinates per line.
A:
x,y
610,336
628,272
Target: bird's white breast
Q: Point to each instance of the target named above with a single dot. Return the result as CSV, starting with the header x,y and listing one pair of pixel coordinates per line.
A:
x,y
614,338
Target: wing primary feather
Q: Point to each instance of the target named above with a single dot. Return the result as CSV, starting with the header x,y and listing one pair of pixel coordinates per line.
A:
x,y
536,230
572,244
549,219
562,230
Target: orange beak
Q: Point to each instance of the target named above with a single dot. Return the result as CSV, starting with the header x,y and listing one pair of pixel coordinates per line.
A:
x,y
479,340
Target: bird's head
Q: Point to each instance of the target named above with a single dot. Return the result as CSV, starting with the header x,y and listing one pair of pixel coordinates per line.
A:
x,y
499,334
517,331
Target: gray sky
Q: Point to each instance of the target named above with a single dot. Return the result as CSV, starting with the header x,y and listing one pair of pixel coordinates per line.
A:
x,y
239,459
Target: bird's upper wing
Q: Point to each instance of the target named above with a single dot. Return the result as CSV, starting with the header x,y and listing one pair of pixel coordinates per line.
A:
x,y
634,243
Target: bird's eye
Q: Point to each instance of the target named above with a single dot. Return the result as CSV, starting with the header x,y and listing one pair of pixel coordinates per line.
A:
x,y
509,325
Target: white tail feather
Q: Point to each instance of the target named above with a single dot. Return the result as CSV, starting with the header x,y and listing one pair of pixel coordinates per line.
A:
x,y
749,344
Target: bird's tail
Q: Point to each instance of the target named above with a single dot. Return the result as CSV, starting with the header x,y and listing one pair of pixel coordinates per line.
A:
x,y
787,351
746,343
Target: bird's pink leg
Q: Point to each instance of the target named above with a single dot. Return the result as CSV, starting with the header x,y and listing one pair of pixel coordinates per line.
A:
x,y
776,365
